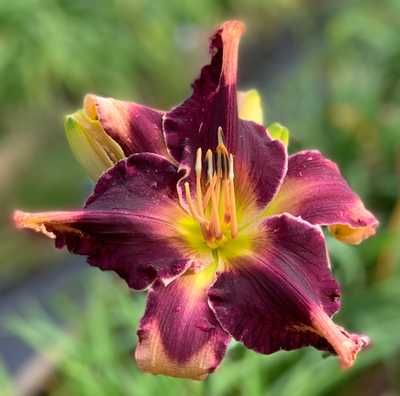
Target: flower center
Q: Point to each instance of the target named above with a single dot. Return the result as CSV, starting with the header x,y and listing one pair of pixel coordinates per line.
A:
x,y
214,205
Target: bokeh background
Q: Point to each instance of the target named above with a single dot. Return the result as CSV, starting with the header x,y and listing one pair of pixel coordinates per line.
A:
x,y
328,70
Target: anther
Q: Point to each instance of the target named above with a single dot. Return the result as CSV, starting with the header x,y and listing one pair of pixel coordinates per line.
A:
x,y
198,162
210,168
231,174
199,192
220,137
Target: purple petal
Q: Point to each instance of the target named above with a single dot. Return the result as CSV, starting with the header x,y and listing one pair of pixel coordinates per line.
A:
x,y
260,161
213,102
283,295
178,334
136,128
127,225
315,190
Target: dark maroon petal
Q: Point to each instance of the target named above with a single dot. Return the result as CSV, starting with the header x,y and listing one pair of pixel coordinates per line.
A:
x,y
127,225
315,190
213,102
260,163
178,334
283,295
136,128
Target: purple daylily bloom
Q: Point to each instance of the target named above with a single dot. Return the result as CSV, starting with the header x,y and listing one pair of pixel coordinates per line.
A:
x,y
210,215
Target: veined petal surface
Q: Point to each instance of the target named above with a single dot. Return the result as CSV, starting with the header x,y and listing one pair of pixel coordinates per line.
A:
x,y
261,160
179,334
315,190
282,296
127,225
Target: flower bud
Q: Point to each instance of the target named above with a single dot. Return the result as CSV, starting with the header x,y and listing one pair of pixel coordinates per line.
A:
x,y
249,106
95,150
278,131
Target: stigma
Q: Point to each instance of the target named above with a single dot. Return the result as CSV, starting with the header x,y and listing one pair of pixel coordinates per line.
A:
x,y
213,204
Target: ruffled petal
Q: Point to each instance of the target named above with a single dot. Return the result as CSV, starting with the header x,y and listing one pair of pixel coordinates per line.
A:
x,y
315,190
136,128
282,295
260,161
127,225
179,335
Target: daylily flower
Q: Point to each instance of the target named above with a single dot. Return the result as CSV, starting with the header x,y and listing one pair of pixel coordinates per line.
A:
x,y
223,228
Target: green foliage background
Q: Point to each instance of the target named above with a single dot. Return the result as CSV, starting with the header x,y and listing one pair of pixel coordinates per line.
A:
x,y
339,94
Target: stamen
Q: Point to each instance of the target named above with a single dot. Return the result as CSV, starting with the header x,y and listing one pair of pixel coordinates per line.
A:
x,y
215,222
198,162
227,204
219,164
225,167
192,208
221,145
222,201
211,187
220,137
199,192
231,174
218,190
210,169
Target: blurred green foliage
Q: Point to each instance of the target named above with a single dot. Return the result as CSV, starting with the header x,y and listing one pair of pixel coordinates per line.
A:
x,y
339,94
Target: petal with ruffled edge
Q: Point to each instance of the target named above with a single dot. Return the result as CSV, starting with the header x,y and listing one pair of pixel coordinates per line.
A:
x,y
260,161
136,128
282,296
179,335
127,225
315,190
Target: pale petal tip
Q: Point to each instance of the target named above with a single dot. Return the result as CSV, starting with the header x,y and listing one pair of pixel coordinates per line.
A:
x,y
348,354
346,345
233,27
24,220
352,235
355,344
160,364
90,106
18,218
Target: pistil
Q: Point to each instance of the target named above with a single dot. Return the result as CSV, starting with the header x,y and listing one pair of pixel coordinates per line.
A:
x,y
214,204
